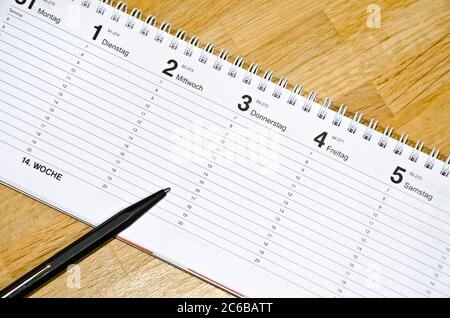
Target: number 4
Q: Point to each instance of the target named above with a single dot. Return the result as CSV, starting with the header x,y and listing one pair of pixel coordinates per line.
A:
x,y
320,139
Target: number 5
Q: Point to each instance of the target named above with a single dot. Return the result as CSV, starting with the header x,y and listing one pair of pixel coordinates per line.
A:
x,y
398,175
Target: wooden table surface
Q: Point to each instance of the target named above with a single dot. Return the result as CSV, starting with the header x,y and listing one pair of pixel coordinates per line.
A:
x,y
396,70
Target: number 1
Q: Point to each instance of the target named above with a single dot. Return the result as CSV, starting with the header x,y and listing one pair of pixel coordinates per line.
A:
x,y
97,31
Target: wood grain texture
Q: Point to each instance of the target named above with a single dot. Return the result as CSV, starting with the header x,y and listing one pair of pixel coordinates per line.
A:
x,y
398,73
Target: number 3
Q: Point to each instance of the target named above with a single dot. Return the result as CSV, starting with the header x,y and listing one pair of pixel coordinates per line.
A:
x,y
398,175
247,100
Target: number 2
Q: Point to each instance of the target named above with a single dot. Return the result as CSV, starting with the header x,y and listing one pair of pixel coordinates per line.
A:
x,y
174,65
398,175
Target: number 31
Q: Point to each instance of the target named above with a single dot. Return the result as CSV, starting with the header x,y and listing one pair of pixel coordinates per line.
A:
x,y
22,2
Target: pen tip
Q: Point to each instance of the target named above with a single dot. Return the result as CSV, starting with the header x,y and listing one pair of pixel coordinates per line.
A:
x,y
166,190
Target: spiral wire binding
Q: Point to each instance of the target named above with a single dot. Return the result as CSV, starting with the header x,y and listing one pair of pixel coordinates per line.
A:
x,y
324,108
400,144
208,50
415,153
429,164
369,129
338,117
146,27
135,15
120,7
282,83
252,70
446,168
223,56
190,48
309,101
165,28
292,99
267,77
86,3
354,123
101,6
179,36
385,137
238,62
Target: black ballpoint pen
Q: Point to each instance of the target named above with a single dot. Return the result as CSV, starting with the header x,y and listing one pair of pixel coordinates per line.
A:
x,y
81,247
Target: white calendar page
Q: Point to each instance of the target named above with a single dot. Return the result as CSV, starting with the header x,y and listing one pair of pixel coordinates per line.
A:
x,y
267,199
